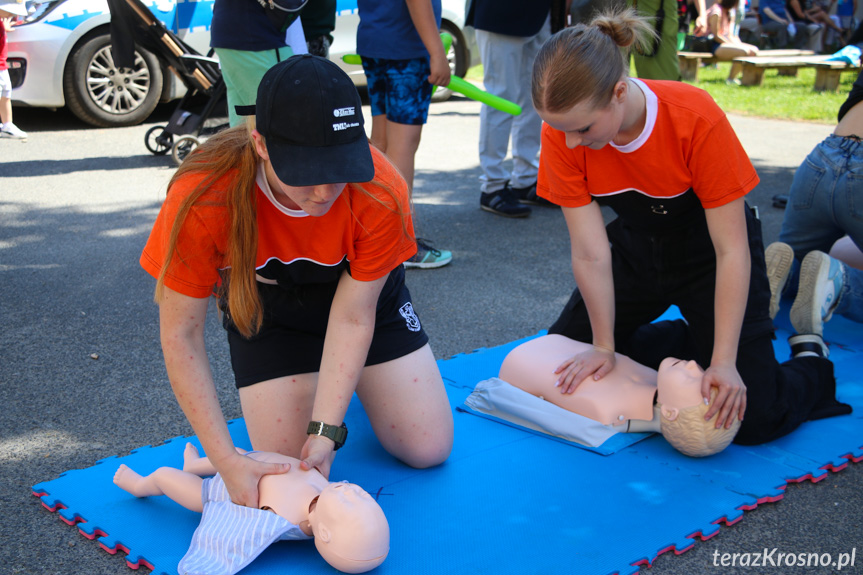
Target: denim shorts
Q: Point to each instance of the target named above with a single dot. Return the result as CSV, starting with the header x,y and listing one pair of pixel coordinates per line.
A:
x,y
399,89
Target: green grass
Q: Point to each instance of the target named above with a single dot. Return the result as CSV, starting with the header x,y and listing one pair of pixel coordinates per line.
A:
x,y
780,97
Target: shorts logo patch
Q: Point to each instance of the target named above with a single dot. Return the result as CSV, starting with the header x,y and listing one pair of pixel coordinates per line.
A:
x,y
411,319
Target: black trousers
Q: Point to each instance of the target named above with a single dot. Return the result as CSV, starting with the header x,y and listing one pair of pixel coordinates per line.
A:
x,y
653,271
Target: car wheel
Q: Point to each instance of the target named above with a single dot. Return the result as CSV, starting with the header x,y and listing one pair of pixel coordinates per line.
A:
x,y
103,95
457,60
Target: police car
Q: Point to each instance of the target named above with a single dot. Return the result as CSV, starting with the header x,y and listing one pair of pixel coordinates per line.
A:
x,y
60,55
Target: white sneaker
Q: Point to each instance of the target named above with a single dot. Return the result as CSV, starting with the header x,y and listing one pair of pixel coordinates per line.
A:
x,y
779,257
822,279
10,130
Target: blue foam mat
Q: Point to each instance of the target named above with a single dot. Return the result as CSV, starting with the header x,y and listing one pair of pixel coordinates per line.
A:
x,y
480,512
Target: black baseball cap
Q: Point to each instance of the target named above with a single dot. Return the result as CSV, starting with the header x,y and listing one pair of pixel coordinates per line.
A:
x,y
310,114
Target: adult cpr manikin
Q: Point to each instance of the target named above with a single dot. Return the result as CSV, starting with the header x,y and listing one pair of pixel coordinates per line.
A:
x,y
668,401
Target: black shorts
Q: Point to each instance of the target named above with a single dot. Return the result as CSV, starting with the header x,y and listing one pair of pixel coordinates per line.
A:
x,y
291,339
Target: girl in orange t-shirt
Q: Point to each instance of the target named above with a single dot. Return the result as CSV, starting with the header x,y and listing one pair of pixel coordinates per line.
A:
x,y
664,157
300,228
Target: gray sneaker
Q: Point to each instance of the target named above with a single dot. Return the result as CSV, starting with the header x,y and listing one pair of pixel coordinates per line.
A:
x,y
821,281
779,257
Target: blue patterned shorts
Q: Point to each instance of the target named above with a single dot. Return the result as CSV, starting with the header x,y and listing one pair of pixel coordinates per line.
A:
x,y
399,89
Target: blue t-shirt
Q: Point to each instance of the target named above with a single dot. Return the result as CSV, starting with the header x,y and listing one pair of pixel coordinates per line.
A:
x,y
778,7
243,25
387,31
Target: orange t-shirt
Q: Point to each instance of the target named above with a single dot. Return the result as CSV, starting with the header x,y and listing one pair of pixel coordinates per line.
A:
x,y
687,144
358,233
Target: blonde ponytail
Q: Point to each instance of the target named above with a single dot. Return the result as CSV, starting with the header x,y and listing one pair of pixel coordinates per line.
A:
x,y
585,62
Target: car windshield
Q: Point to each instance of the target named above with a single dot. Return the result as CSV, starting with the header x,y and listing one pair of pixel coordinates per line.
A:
x,y
38,10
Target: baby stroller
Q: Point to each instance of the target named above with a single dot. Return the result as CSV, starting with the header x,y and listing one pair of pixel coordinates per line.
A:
x,y
132,22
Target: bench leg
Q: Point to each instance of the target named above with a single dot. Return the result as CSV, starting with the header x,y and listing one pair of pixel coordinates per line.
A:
x,y
826,80
689,68
752,76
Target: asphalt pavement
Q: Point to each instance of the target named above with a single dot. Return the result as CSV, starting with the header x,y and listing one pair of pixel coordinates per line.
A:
x,y
81,372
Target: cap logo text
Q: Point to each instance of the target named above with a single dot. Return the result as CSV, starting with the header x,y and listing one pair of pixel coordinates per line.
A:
x,y
339,112
344,126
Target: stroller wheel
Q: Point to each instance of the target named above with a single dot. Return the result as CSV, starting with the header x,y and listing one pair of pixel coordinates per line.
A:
x,y
158,141
183,147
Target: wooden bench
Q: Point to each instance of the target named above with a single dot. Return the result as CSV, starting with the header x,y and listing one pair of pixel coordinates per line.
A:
x,y
827,73
690,61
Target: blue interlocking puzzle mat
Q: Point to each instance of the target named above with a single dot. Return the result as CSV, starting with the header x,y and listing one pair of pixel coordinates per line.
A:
x,y
489,498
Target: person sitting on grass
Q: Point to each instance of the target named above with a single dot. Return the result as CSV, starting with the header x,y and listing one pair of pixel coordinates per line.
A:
x,y
724,43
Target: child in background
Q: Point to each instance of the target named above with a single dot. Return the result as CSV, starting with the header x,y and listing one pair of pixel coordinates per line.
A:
x,y
8,11
403,57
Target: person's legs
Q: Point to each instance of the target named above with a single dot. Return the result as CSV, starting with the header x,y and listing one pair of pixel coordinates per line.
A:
x,y
662,63
5,109
375,71
379,132
501,57
846,251
399,95
821,210
778,397
408,408
242,72
808,223
637,299
408,95
803,37
728,52
399,142
402,143
7,128
777,31
851,303
277,412
527,126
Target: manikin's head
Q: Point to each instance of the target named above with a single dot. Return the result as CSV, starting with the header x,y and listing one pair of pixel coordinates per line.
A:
x,y
350,528
682,410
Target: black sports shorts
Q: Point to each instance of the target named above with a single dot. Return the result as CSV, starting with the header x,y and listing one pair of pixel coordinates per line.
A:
x,y
291,339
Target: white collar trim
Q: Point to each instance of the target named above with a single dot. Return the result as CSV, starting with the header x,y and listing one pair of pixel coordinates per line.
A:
x,y
651,103
262,182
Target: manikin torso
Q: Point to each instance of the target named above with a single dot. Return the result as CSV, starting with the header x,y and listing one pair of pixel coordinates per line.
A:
x,y
289,494
625,393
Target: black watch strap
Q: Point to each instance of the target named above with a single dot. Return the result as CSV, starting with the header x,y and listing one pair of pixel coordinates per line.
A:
x,y
339,434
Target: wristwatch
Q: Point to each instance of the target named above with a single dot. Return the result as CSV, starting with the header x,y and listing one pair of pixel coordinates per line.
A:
x,y
338,434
